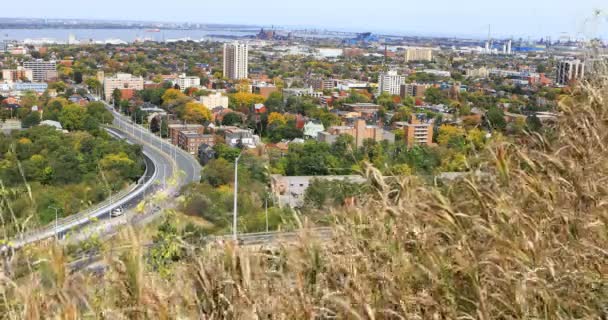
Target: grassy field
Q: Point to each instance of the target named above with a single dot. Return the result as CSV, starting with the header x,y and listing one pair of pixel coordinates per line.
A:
x,y
527,240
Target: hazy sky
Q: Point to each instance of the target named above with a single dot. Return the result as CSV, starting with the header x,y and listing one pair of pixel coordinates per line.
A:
x,y
450,17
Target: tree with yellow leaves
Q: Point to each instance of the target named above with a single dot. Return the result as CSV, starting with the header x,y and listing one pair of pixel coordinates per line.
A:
x,y
196,113
173,97
450,135
276,118
246,99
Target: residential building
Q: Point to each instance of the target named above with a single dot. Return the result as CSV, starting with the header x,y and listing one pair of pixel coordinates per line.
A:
x,y
351,84
413,90
361,107
290,190
205,153
190,141
418,54
12,75
264,89
185,82
176,128
240,137
312,129
417,132
390,82
3,46
321,84
41,70
360,131
300,92
121,81
569,71
39,87
215,100
482,72
236,56
438,73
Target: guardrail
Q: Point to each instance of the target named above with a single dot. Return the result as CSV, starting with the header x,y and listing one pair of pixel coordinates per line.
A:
x,y
87,215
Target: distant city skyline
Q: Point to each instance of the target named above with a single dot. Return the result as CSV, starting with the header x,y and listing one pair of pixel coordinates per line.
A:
x,y
515,18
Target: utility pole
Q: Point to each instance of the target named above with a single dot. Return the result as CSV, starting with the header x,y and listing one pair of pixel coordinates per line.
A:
x,y
266,209
236,186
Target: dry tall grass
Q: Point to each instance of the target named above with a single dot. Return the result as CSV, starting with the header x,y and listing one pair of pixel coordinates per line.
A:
x,y
531,242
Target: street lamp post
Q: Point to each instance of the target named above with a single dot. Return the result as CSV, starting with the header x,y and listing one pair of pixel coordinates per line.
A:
x,y
236,186
56,218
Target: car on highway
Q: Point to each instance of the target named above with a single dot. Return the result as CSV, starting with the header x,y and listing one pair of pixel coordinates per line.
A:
x,y
117,212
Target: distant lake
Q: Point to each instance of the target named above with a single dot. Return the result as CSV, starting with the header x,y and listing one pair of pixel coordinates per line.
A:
x,y
128,35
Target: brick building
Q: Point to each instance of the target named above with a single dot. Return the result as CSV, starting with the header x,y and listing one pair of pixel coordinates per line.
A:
x,y
175,128
191,140
417,132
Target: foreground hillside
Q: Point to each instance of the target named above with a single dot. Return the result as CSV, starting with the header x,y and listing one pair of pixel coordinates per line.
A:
x,y
527,239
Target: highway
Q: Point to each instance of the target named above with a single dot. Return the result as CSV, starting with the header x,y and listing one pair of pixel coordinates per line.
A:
x,y
164,163
185,162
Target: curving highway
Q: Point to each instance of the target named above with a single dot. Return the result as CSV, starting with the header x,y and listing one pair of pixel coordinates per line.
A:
x,y
184,161
164,162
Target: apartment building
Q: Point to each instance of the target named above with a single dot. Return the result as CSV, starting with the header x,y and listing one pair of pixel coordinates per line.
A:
x,y
417,132
264,89
418,54
190,141
390,82
12,75
41,70
321,84
569,70
360,131
215,100
184,81
236,57
176,128
121,81
413,90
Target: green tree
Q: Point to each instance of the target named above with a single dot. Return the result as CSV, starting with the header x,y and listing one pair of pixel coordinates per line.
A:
x,y
72,117
218,172
231,119
495,119
32,119
116,96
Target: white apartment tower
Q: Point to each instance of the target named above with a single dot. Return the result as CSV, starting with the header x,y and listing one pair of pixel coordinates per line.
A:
x,y
41,70
236,56
390,82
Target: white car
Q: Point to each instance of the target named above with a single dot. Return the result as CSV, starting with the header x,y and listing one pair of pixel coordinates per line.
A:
x,y
116,213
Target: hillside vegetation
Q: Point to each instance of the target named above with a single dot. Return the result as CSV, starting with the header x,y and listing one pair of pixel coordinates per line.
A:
x,y
42,167
525,240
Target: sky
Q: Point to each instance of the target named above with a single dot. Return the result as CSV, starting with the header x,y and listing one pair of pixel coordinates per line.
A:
x,y
508,18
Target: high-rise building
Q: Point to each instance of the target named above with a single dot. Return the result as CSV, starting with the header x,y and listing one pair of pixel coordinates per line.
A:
x,y
569,70
121,81
417,132
41,70
413,90
390,82
236,56
418,54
